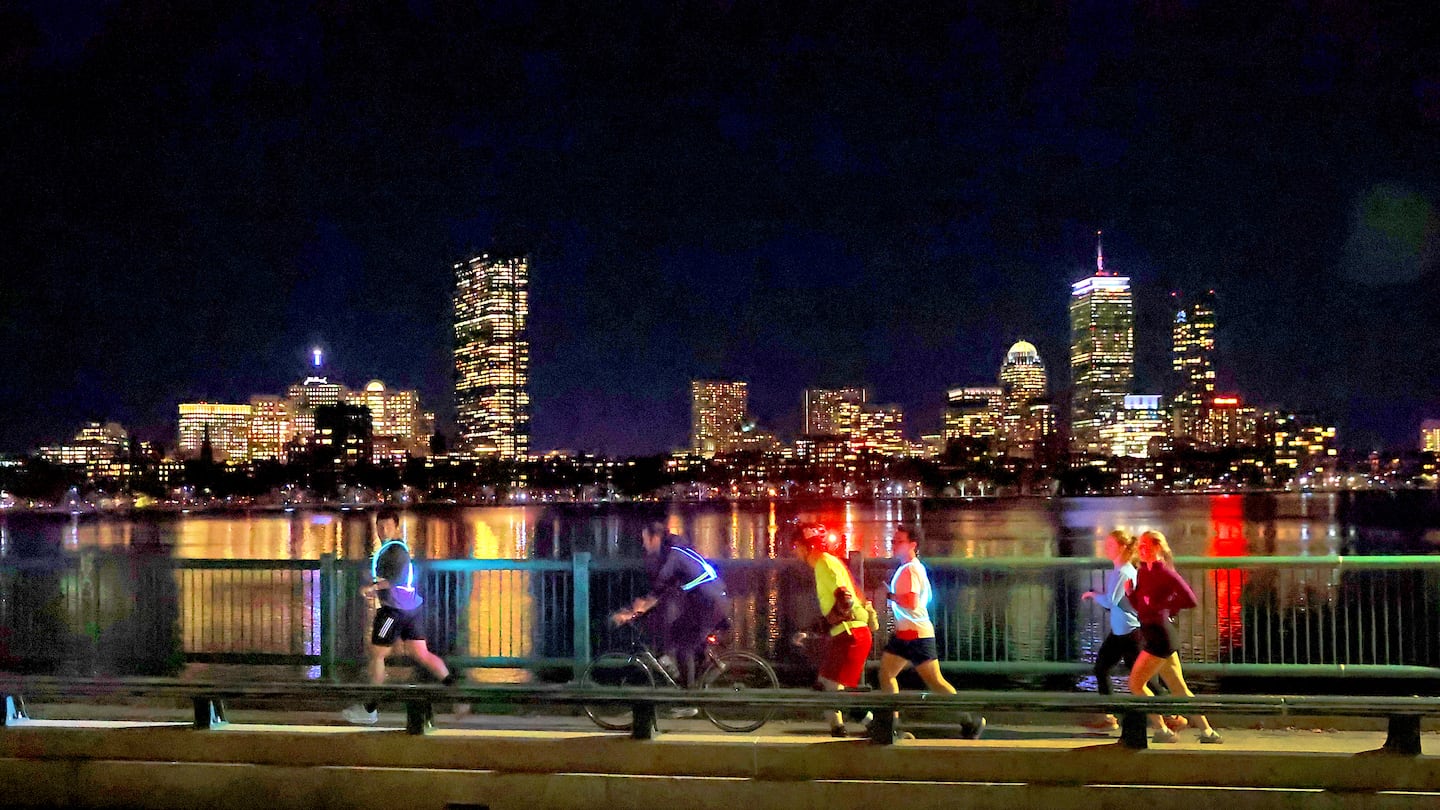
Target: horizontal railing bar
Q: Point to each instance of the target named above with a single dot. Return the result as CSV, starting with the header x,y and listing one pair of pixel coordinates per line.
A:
x,y
776,698
495,565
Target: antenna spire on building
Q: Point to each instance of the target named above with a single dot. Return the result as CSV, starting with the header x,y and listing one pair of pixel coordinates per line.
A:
x,y
1099,255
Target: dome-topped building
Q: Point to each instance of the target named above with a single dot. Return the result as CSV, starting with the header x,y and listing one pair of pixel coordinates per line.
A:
x,y
1024,392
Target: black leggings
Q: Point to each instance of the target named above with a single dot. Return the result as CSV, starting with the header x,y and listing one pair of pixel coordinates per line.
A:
x,y
1112,650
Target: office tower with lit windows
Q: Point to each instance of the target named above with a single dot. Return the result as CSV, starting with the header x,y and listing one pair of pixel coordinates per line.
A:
x,y
395,420
1102,353
972,413
226,427
1228,422
1023,386
342,435
492,355
97,441
1141,422
718,413
271,428
315,391
1430,436
1192,359
879,429
825,414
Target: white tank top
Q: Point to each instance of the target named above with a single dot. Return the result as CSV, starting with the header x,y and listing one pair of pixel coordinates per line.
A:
x,y
918,619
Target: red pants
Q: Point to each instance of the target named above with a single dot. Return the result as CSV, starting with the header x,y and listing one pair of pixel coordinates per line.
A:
x,y
845,657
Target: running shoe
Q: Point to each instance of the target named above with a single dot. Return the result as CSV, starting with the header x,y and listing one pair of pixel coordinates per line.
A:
x,y
1211,736
1163,735
1102,722
359,716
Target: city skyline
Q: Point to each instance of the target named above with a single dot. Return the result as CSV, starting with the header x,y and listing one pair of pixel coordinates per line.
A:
x,y
863,197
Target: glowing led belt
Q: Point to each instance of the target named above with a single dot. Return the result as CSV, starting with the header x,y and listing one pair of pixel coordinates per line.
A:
x,y
707,571
409,565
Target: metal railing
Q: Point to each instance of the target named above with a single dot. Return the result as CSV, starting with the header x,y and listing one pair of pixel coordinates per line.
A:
x,y
151,615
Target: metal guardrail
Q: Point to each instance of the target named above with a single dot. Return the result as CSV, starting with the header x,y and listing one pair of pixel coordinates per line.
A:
x,y
208,699
1020,617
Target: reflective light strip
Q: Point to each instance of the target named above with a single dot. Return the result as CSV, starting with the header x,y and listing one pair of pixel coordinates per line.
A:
x,y
409,565
707,572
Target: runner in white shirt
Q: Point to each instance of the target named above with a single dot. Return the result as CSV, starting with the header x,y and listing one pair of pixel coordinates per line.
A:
x,y
913,641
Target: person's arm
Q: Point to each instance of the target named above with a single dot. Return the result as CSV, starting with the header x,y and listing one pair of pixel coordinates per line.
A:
x,y
906,597
1180,597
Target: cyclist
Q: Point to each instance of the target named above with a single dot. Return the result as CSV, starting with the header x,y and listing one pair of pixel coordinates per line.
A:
x,y
848,617
686,603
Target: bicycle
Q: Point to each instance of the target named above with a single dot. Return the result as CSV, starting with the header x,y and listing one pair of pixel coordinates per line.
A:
x,y
725,670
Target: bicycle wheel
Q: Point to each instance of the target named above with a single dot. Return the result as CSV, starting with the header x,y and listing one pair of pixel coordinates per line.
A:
x,y
739,672
612,670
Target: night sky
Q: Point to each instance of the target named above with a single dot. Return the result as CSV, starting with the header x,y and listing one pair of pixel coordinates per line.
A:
x,y
809,193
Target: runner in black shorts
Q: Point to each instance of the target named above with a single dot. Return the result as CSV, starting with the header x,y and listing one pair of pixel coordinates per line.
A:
x,y
398,622
912,643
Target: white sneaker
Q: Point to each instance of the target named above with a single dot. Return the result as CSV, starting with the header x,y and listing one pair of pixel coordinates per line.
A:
x,y
356,714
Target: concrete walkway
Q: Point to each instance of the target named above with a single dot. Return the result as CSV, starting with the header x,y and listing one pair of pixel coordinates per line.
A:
x,y
135,756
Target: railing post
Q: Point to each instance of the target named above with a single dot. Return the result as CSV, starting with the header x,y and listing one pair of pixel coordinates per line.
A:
x,y
209,712
329,616
419,716
642,721
580,610
14,713
1403,735
1134,730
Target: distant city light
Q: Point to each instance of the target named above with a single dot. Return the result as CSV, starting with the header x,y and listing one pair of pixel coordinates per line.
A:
x,y
316,355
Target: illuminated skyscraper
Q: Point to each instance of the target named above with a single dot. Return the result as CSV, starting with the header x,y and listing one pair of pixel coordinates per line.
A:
x,y
1192,357
270,427
1023,386
394,420
823,412
972,412
226,427
492,355
1102,353
718,412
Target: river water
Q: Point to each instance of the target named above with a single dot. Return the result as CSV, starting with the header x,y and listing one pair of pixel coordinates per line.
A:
x,y
1196,525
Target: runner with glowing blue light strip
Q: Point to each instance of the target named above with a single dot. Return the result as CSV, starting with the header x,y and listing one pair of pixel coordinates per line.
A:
x,y
399,625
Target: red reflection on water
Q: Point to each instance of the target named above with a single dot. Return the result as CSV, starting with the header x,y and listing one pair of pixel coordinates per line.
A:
x,y
1227,539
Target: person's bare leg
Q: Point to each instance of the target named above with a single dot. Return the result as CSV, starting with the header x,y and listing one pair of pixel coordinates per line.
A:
x,y
1174,678
1140,674
420,653
835,717
930,674
890,667
375,663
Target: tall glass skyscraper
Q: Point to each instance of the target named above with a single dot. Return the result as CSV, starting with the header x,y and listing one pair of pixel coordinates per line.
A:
x,y
717,413
1192,357
1102,353
492,355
